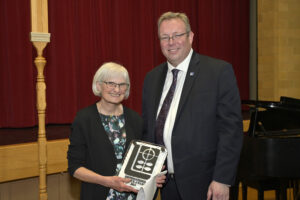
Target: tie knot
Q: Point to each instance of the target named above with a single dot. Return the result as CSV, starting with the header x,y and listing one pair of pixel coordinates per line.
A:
x,y
175,72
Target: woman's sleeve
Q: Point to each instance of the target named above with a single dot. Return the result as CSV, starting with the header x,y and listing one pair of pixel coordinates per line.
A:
x,y
77,148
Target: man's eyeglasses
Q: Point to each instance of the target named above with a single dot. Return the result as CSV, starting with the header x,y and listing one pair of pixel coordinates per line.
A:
x,y
175,37
113,85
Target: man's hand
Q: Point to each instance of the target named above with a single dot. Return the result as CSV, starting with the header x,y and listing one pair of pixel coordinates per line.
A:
x,y
218,191
160,180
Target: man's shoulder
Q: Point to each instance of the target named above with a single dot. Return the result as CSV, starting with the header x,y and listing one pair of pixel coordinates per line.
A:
x,y
159,68
156,72
208,60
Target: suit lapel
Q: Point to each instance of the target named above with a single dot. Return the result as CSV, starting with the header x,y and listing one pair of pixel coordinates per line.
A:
x,y
158,88
191,75
160,85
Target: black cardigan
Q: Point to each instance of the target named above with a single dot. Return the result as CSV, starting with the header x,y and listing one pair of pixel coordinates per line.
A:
x,y
91,148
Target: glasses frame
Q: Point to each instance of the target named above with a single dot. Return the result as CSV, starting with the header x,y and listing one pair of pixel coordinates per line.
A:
x,y
112,85
174,37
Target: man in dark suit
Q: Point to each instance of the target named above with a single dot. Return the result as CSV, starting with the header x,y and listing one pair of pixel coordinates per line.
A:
x,y
201,120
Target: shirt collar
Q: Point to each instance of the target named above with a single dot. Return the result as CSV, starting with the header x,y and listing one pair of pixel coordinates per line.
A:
x,y
184,65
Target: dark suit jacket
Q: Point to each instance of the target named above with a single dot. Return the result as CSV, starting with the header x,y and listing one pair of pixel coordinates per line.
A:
x,y
207,134
90,147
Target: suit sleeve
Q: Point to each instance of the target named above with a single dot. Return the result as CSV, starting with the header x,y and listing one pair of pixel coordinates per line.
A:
x,y
229,128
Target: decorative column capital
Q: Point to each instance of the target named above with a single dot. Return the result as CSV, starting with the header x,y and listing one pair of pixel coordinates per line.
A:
x,y
39,37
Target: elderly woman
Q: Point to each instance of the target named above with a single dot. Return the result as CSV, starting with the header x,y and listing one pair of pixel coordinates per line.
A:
x,y
100,135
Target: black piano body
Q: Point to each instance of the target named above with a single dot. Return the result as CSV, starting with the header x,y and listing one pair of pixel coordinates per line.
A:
x,y
270,158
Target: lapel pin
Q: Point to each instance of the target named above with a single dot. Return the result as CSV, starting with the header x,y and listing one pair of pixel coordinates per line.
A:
x,y
192,73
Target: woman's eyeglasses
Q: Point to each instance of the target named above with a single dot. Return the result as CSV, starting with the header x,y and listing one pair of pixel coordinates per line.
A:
x,y
113,85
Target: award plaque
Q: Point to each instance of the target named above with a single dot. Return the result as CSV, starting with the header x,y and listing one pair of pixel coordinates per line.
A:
x,y
142,161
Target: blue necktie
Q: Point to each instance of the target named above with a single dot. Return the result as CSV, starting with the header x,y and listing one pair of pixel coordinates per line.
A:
x,y
163,113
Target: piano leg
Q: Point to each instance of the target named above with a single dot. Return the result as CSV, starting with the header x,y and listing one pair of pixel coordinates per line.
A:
x,y
277,194
283,188
296,189
234,192
244,191
260,194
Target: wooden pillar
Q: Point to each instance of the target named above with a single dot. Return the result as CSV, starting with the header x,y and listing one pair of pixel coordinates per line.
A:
x,y
40,37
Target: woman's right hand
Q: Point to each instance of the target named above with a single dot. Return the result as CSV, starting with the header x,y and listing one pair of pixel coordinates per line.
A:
x,y
119,184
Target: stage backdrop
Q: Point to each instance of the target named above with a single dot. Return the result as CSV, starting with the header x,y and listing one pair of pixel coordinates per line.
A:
x,y
87,33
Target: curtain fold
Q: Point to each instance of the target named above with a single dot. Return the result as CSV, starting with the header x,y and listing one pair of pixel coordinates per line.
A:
x,y
17,88
87,33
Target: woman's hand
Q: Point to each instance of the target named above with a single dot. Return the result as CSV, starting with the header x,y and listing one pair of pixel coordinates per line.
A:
x,y
118,183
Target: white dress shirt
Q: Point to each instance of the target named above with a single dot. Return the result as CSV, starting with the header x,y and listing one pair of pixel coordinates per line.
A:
x,y
169,124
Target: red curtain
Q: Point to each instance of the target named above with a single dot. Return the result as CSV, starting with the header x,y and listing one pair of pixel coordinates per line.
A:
x,y
17,87
86,33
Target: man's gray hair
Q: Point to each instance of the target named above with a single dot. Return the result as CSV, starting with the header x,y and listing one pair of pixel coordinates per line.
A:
x,y
173,15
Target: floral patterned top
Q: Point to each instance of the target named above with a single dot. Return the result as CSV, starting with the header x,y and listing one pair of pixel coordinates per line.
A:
x,y
115,128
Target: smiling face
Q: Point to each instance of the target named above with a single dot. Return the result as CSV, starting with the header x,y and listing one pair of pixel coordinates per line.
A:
x,y
175,50
112,93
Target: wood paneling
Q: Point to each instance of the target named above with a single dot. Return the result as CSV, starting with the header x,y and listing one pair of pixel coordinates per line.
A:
x,y
21,160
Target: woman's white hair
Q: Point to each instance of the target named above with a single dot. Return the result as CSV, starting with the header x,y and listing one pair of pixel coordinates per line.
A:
x,y
107,71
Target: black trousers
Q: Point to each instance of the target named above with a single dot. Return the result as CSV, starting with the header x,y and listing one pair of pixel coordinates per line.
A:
x,y
170,191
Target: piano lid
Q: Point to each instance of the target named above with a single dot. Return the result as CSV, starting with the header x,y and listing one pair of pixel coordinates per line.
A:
x,y
274,119
285,103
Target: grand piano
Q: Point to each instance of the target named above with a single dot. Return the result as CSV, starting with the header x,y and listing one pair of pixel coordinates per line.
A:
x,y
270,158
